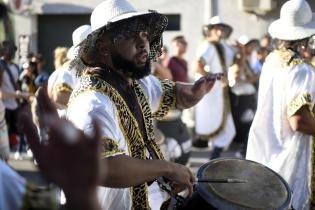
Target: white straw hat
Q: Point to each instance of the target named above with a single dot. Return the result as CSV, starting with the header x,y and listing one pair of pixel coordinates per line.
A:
x,y
244,40
217,20
296,21
110,11
78,35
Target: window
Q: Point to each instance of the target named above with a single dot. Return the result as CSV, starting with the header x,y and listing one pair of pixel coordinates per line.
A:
x,y
173,22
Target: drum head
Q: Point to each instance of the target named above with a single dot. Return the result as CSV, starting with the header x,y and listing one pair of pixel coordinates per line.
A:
x,y
264,188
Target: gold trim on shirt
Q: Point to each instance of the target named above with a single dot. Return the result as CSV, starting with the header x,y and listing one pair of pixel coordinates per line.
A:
x,y
168,99
297,103
109,146
62,87
128,126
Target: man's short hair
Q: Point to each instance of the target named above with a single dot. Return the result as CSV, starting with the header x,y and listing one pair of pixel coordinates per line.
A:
x,y
178,38
8,45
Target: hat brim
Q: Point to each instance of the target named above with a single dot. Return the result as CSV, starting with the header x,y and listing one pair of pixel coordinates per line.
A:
x,y
278,30
129,15
73,52
227,29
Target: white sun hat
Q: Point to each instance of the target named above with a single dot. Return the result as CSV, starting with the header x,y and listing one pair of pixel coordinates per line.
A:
x,y
110,11
78,35
244,40
296,21
217,20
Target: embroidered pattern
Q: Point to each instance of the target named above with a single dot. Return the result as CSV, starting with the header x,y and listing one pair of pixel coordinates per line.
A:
x,y
284,58
63,87
129,127
147,116
297,103
168,99
109,147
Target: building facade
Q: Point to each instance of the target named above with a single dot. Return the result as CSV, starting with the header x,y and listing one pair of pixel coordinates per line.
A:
x,y
42,25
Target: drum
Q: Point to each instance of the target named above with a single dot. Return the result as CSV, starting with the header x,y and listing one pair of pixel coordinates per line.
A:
x,y
264,189
173,127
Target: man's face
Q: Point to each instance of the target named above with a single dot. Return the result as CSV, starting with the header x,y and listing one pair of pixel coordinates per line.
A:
x,y
217,32
9,52
181,45
130,52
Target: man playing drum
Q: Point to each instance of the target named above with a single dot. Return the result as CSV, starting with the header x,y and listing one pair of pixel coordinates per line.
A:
x,y
281,134
116,90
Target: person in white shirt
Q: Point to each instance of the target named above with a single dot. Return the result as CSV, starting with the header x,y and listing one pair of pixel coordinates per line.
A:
x,y
281,135
62,81
117,89
213,118
10,92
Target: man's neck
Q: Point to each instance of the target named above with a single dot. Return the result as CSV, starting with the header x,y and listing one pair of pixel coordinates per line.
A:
x,y
213,39
178,55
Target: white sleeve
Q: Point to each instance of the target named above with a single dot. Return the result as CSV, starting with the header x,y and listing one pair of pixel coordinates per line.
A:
x,y
300,88
12,188
208,53
102,109
161,95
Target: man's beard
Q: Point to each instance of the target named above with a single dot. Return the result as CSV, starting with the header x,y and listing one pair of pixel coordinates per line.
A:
x,y
129,68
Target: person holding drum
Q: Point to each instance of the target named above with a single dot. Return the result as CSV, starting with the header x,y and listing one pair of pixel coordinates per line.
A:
x,y
281,134
115,88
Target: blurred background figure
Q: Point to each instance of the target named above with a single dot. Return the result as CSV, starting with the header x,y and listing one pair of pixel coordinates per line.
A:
x,y
27,77
176,63
311,47
4,138
243,81
215,123
60,56
10,91
262,53
266,42
62,81
177,137
42,75
61,62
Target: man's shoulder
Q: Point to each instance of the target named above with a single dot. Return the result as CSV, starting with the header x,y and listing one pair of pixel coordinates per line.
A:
x,y
90,97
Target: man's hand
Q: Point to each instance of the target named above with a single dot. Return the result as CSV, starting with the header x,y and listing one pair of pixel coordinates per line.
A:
x,y
188,95
205,84
181,178
66,156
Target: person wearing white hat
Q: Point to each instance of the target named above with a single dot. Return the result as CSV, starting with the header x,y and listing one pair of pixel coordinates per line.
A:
x,y
62,81
213,118
281,133
117,89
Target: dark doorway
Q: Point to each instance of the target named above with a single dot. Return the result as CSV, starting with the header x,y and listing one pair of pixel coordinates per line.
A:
x,y
55,31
